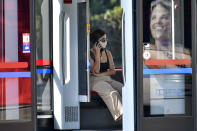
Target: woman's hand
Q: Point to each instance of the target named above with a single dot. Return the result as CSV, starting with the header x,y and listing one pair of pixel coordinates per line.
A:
x,y
97,47
95,64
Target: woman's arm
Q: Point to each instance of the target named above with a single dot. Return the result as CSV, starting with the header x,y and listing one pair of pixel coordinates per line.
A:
x,y
95,65
111,63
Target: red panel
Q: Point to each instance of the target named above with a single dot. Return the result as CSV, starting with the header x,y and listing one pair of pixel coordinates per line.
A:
x,y
24,26
25,91
67,1
2,92
14,65
43,62
168,62
118,67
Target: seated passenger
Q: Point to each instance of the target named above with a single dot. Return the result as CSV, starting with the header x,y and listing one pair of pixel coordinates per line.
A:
x,y
102,67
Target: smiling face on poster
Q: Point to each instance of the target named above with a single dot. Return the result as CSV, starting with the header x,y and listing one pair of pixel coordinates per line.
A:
x,y
167,62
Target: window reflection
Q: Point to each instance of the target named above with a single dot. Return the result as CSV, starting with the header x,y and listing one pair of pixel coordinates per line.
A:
x,y
15,76
43,55
167,61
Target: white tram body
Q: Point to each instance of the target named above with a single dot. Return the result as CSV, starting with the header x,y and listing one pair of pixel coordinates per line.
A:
x,y
65,67
45,66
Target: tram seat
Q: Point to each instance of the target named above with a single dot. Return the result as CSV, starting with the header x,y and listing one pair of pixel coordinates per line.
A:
x,y
102,117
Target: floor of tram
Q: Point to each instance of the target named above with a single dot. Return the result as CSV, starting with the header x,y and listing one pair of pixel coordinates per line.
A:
x,y
96,116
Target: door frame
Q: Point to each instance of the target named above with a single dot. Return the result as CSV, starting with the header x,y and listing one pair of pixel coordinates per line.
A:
x,y
139,67
30,125
194,58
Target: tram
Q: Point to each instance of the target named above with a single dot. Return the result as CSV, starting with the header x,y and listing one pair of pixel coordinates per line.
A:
x,y
45,67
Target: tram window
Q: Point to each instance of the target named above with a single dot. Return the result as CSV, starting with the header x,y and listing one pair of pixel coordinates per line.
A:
x,y
15,77
167,71
107,16
106,29
43,55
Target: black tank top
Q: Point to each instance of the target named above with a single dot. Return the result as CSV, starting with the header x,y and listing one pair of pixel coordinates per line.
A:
x,y
103,66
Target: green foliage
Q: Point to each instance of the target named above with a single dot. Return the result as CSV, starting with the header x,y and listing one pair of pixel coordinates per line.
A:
x,y
99,6
111,22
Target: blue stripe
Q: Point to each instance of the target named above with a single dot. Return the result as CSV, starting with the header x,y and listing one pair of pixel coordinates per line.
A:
x,y
22,74
14,74
167,71
40,71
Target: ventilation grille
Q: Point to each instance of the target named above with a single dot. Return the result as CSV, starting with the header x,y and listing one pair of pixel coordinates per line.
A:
x,y
71,113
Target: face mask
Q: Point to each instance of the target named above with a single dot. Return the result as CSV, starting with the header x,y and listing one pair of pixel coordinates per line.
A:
x,y
104,44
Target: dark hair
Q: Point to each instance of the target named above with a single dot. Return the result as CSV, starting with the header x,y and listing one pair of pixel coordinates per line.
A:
x,y
165,3
95,35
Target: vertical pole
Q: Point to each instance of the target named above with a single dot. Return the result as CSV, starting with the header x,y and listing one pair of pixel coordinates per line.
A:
x,y
173,31
88,48
2,86
33,65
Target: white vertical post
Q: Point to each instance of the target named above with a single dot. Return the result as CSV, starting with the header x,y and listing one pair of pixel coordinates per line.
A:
x,y
57,87
11,55
128,89
88,48
173,30
67,42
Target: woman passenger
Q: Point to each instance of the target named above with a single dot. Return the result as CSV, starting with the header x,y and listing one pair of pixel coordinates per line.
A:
x,y
102,67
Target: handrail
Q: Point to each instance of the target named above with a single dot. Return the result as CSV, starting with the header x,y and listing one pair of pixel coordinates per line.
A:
x,y
123,48
67,41
63,54
88,52
173,30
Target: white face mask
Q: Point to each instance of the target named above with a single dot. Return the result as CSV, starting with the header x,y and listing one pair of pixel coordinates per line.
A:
x,y
104,44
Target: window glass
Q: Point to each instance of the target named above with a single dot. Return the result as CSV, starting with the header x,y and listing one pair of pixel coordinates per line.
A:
x,y
167,72
43,55
15,74
107,15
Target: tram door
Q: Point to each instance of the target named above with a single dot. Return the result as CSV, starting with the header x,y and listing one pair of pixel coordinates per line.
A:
x,y
166,86
17,103
69,66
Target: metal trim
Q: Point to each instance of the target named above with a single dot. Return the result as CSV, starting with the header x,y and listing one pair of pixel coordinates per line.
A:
x,y
139,67
63,48
88,50
194,61
81,1
123,49
51,45
33,64
44,116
